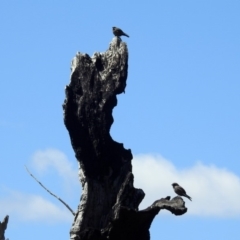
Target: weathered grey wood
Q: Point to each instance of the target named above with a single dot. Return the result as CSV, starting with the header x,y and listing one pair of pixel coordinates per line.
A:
x,y
109,203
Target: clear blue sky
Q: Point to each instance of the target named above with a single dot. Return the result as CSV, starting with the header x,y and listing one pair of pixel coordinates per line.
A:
x,y
180,114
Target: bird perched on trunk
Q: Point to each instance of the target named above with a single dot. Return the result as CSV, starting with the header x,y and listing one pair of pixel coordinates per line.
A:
x,y
118,32
180,191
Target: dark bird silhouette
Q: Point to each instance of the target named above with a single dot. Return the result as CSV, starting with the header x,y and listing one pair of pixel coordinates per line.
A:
x,y
118,32
180,191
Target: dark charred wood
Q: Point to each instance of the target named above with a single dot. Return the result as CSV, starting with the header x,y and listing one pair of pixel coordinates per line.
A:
x,y
109,203
3,227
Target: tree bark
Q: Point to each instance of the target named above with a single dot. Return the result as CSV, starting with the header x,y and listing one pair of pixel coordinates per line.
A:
x,y
109,203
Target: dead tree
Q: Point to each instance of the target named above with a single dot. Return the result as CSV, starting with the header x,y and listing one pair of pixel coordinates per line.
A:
x,y
108,207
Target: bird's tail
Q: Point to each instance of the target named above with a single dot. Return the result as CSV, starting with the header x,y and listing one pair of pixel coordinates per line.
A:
x,y
188,197
125,35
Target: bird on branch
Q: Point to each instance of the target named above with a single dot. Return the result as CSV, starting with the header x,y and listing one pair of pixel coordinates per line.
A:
x,y
180,191
118,32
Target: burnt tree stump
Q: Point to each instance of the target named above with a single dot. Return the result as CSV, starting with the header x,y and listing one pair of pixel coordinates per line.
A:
x,y
109,203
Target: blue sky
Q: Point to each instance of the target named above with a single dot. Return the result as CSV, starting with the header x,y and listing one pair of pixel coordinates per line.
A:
x,y
180,114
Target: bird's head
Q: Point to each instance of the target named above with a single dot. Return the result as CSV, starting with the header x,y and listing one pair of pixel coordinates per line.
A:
x,y
113,28
175,184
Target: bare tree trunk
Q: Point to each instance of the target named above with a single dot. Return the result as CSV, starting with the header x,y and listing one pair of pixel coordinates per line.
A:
x,y
109,203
